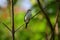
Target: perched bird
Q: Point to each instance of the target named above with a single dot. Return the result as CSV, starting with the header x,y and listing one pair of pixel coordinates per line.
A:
x,y
27,17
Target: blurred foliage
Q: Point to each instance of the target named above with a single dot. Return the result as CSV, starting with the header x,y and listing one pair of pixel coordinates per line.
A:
x,y
14,2
36,28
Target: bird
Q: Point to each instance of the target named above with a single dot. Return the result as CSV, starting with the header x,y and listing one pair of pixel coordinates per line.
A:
x,y
27,17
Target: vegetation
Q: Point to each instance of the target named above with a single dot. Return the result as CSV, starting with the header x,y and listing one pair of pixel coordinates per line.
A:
x,y
44,24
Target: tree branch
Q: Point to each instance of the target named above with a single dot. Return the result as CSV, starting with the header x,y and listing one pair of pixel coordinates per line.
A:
x,y
13,31
19,27
35,15
57,17
47,17
7,27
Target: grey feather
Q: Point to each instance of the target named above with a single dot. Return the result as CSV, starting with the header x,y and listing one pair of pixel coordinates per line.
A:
x,y
28,16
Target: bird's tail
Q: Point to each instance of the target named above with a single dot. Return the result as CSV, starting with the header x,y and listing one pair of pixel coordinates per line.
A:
x,y
26,25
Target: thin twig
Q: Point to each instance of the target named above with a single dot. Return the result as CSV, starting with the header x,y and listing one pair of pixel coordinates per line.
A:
x,y
46,36
34,15
24,23
7,27
50,36
56,23
57,13
47,17
19,27
57,17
